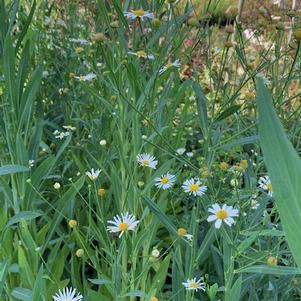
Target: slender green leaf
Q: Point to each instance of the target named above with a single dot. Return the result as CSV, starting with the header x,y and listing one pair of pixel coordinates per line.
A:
x,y
284,169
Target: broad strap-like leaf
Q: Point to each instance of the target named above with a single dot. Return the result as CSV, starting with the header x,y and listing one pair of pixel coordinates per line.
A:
x,y
284,168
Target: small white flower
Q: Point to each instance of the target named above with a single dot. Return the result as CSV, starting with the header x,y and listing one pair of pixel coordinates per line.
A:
x,y
165,181
266,184
181,150
193,186
155,253
60,135
189,155
80,41
147,160
221,214
123,223
68,294
142,54
103,142
93,175
194,284
86,78
175,64
30,163
57,185
139,13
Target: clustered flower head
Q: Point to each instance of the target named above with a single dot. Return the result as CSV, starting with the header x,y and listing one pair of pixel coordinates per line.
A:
x,y
125,222
67,294
222,214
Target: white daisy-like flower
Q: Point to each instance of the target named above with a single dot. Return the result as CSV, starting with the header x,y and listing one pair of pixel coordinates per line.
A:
x,y
222,214
193,186
86,78
175,64
266,184
139,13
93,174
67,294
194,284
165,181
142,54
80,41
147,160
123,223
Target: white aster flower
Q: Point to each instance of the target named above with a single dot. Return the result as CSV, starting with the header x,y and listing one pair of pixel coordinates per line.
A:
x,y
139,13
142,54
93,174
175,64
123,223
266,184
67,294
194,284
193,186
221,214
165,181
86,78
80,41
147,160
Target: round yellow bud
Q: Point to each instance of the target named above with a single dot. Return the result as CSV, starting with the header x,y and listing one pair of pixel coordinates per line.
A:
x,y
114,24
297,34
79,49
182,232
98,37
101,191
153,299
140,183
229,29
272,261
193,22
156,22
72,223
80,253
243,164
224,165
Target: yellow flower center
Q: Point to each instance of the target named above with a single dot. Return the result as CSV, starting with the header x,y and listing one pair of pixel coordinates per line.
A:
x,y
194,187
141,53
168,65
123,226
139,12
164,180
269,186
145,162
221,214
81,78
182,231
193,285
